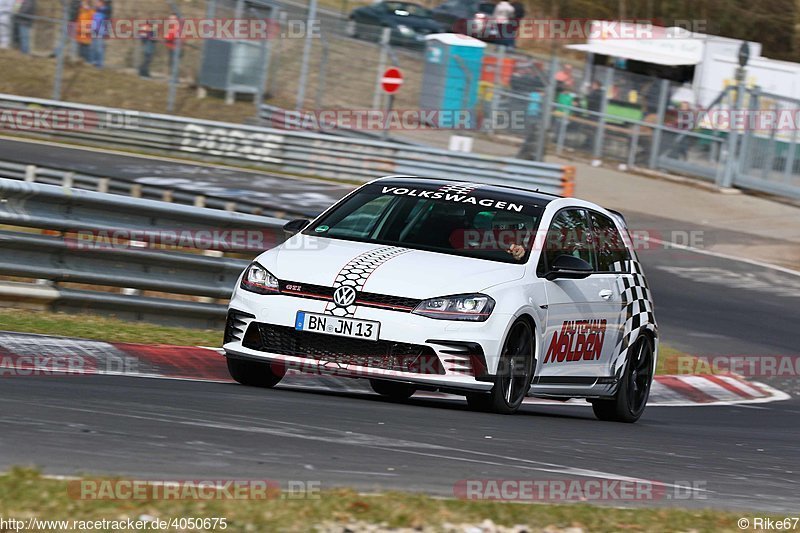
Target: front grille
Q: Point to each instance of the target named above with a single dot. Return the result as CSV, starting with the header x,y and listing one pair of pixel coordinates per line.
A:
x,y
385,355
367,299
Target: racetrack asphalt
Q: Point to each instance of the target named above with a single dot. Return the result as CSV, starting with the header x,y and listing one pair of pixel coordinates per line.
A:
x,y
745,457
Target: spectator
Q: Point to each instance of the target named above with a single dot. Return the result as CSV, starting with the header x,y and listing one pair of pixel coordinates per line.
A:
x,y
594,100
83,32
171,39
6,10
24,11
564,79
503,16
100,22
148,38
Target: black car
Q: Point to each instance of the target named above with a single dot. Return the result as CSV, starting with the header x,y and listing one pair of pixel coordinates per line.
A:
x,y
410,23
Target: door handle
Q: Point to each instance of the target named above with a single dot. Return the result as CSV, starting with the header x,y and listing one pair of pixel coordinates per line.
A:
x,y
606,294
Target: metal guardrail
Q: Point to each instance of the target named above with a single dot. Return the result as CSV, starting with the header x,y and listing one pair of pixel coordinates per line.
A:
x,y
291,152
104,242
130,187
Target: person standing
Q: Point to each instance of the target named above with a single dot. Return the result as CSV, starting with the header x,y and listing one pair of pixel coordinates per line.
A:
x,y
100,22
171,40
6,12
503,16
24,12
148,38
83,32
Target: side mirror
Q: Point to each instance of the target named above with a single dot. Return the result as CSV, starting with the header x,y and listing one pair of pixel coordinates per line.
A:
x,y
569,267
296,226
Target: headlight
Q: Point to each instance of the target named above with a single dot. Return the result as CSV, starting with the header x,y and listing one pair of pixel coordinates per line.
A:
x,y
258,279
472,307
405,30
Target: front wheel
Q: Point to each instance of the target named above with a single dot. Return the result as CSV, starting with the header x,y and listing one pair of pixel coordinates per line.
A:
x,y
392,389
634,389
254,373
514,373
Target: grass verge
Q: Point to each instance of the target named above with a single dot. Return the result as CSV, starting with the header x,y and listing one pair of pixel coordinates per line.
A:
x,y
107,329
24,494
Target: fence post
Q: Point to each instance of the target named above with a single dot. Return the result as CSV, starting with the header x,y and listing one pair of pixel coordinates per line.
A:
x,y
655,147
733,135
499,60
547,109
376,97
301,90
323,74
61,51
597,151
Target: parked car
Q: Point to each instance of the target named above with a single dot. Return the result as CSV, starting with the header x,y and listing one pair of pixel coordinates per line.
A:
x,y
410,23
468,17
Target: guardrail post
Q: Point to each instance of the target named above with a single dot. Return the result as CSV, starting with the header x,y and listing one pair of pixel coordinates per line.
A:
x,y
30,173
655,147
102,184
68,180
200,201
167,196
136,191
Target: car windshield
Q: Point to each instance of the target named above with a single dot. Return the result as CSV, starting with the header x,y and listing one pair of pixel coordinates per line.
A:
x,y
403,9
453,219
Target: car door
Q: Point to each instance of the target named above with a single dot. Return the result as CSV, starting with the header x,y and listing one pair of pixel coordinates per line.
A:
x,y
613,266
576,336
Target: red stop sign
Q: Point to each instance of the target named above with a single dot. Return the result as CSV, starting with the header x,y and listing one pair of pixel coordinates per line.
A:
x,y
391,80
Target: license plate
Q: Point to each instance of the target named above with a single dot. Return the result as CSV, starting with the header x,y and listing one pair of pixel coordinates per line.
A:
x,y
335,325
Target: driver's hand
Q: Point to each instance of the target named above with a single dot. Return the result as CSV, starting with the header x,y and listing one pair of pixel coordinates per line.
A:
x,y
517,251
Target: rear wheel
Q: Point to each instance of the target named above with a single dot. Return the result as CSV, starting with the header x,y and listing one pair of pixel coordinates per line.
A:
x,y
254,373
392,389
634,389
514,373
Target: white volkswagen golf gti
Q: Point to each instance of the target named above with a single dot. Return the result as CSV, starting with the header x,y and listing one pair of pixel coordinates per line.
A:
x,y
491,292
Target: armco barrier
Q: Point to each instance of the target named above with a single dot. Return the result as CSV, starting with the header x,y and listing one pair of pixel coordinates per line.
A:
x,y
292,152
67,253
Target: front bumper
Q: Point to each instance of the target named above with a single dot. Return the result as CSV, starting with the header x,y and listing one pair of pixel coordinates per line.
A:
x,y
466,351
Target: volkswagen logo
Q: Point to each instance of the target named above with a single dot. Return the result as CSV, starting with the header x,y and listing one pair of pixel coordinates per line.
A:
x,y
344,296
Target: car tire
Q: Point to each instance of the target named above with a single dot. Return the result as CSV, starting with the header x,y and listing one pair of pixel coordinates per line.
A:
x,y
254,373
392,389
629,402
511,386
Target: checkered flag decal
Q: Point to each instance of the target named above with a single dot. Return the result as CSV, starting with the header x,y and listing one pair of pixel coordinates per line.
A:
x,y
357,271
460,188
638,304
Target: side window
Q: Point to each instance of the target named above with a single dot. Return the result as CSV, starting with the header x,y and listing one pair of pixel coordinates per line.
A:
x,y
570,234
612,255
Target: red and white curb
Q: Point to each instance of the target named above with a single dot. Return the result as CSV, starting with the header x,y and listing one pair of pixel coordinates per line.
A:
x,y
35,355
